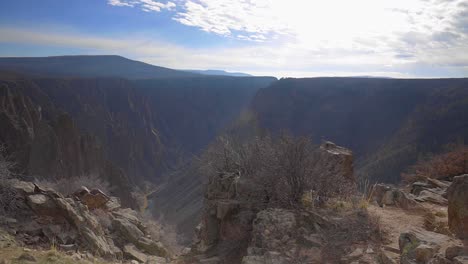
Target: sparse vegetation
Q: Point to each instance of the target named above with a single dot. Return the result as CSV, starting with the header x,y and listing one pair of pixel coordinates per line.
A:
x,y
448,164
6,194
286,167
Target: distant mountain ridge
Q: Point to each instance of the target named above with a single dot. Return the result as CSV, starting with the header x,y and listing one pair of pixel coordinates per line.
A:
x,y
89,66
220,73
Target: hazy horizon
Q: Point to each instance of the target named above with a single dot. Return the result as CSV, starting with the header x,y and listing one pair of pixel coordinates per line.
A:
x,y
402,39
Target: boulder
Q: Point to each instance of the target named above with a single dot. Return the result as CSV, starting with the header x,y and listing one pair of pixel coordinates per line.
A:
x,y
156,260
388,195
458,206
460,260
417,245
423,253
455,251
96,243
127,230
42,205
431,196
94,199
152,247
131,252
24,188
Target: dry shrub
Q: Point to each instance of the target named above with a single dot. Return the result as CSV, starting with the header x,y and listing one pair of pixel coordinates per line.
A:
x,y
284,168
7,194
68,186
451,163
432,222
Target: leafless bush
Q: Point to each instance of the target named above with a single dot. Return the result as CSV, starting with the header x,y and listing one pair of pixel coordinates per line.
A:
x,y
6,194
285,167
451,163
68,186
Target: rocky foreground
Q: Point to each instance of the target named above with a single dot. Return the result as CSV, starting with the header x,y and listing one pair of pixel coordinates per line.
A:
x,y
426,222
87,225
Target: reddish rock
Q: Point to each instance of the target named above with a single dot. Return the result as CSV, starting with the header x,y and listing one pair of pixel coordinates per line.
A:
x,y
458,206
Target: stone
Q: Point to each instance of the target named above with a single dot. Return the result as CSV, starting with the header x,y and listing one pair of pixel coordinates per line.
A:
x,y
416,243
431,197
24,188
113,203
96,243
384,258
156,260
455,251
213,260
253,260
460,260
131,252
151,247
94,199
458,206
356,254
388,195
42,204
423,253
127,230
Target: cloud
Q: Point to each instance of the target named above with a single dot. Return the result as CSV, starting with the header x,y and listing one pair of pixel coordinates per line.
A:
x,y
145,5
261,58
409,37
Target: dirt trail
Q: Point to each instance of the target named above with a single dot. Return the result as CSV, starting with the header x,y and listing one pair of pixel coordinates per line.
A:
x,y
395,221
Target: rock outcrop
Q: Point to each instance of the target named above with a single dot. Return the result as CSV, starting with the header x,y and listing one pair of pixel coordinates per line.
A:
x,y
238,225
388,195
458,206
42,216
421,246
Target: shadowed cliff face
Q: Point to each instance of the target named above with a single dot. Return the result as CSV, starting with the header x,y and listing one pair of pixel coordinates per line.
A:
x,y
386,122
126,131
46,142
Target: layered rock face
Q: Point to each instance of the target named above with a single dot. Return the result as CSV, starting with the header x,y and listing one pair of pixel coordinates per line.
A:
x,y
46,142
360,114
39,217
458,206
125,132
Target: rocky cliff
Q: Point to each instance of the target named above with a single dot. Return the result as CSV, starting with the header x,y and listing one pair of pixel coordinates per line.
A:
x,y
388,123
240,225
124,131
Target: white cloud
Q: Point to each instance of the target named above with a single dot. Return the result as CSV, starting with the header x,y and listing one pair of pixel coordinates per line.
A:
x,y
261,58
145,5
408,37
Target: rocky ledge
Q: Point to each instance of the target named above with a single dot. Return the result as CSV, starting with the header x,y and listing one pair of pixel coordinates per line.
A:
x,y
87,222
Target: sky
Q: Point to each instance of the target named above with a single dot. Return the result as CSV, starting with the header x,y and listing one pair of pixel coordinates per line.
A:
x,y
293,38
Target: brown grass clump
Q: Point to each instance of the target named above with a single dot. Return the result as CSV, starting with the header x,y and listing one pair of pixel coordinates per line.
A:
x,y
451,163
